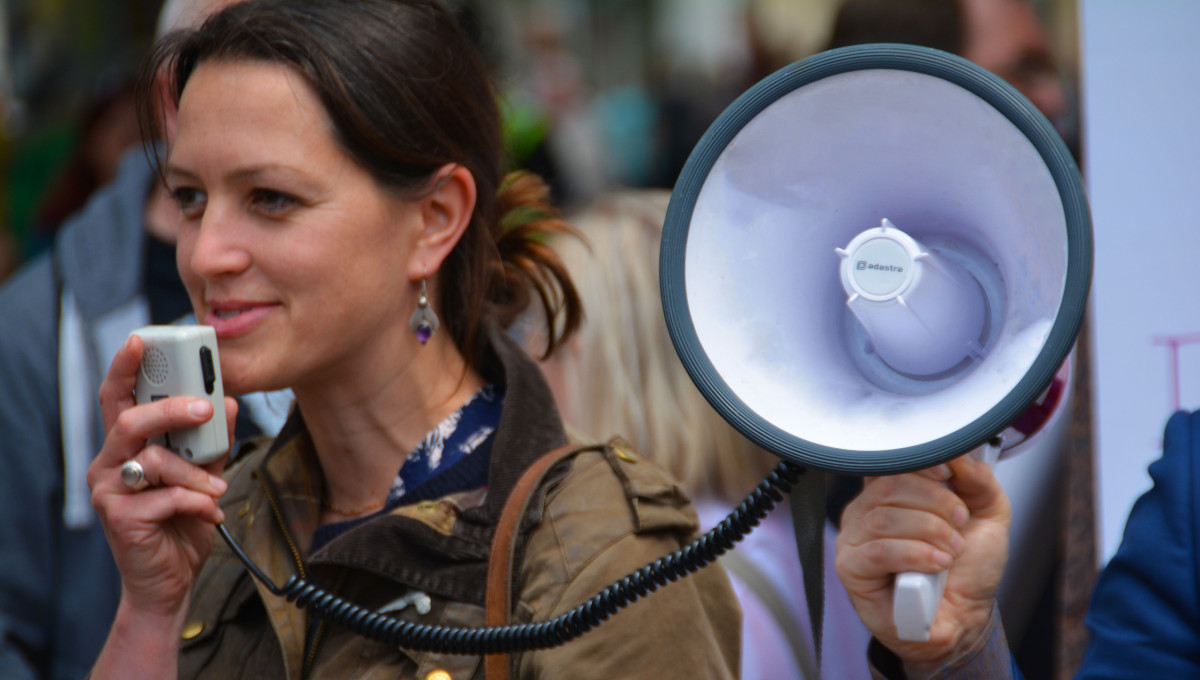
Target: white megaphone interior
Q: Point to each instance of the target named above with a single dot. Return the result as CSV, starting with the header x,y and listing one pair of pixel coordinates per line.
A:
x,y
816,167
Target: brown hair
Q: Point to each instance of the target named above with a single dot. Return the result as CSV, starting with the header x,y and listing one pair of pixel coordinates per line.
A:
x,y
407,93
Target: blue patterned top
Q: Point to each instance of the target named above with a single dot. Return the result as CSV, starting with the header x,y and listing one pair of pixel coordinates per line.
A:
x,y
432,469
453,456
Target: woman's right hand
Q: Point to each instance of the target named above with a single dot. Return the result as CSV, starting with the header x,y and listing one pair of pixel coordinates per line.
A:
x,y
160,532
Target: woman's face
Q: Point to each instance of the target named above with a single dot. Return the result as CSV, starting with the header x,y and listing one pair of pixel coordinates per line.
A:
x,y
288,248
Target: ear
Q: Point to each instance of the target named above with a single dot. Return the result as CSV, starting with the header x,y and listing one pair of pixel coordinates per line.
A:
x,y
445,214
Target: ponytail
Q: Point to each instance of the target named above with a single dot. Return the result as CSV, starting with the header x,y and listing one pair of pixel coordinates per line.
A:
x,y
529,266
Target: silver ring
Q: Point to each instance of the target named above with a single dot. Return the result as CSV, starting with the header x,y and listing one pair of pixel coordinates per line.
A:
x,y
132,474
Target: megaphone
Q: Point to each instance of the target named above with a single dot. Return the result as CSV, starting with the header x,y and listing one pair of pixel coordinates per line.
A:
x,y
876,260
834,198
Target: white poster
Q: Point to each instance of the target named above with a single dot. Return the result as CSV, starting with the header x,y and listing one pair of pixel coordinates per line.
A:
x,y
1141,121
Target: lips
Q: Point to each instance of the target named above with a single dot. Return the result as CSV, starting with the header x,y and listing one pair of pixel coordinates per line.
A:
x,y
231,319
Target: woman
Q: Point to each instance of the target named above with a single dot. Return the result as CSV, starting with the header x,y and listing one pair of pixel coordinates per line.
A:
x,y
348,234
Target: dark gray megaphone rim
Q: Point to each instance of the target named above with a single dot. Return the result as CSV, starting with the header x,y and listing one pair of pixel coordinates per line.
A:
x,y
958,71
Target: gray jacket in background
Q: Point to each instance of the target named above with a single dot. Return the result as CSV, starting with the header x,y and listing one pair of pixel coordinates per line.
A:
x,y
62,318
58,584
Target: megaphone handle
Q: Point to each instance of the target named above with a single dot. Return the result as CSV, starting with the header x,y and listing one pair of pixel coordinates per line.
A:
x,y
917,595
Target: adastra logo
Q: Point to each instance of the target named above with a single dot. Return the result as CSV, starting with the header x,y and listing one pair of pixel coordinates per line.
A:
x,y
863,265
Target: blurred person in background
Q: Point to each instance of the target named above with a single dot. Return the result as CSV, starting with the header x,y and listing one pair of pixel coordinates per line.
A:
x,y
1006,37
621,374
9,248
111,269
108,130
929,23
70,117
550,128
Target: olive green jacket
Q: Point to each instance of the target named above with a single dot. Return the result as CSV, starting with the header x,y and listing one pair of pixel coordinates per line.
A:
x,y
602,515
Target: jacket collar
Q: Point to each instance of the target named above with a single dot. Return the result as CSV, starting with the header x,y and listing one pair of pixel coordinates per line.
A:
x,y
452,563
529,424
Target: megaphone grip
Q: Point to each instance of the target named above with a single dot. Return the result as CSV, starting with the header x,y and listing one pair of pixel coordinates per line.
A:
x,y
917,596
915,604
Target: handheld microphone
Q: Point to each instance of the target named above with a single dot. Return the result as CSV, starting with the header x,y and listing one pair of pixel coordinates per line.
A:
x,y
183,361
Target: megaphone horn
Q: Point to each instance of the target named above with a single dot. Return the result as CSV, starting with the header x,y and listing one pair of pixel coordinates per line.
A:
x,y
876,259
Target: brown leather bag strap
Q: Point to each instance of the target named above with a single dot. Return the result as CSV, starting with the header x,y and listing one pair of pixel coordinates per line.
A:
x,y
500,562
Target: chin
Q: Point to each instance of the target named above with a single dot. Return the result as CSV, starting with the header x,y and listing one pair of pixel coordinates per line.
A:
x,y
249,384
236,388
237,379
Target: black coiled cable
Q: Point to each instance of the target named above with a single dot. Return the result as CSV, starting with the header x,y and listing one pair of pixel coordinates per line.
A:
x,y
540,635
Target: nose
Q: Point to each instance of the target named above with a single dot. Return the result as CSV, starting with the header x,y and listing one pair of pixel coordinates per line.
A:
x,y
217,246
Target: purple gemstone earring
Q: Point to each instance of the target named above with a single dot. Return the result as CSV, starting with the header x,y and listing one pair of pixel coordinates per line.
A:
x,y
424,323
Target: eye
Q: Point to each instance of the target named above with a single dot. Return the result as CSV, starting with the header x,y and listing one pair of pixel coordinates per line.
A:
x,y
190,201
271,202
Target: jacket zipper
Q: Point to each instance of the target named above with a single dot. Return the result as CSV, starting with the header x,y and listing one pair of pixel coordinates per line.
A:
x,y
319,635
287,535
295,551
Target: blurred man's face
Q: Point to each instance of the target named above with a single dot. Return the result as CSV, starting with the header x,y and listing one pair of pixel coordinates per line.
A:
x,y
1007,38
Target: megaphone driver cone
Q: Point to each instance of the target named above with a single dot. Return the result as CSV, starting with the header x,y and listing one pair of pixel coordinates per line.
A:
x,y
922,314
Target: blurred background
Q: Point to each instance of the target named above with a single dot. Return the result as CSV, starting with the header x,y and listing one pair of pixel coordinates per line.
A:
x,y
599,94
65,108
602,95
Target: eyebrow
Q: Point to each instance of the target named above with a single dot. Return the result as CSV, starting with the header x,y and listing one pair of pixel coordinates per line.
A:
x,y
258,170
243,174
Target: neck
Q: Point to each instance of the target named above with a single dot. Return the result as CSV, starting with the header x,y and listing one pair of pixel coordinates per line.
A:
x,y
363,428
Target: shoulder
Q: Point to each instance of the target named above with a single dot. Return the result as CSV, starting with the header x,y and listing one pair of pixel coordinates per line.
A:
x,y
1181,438
610,496
1164,514
1174,473
613,513
29,307
1156,567
29,353
613,490
29,301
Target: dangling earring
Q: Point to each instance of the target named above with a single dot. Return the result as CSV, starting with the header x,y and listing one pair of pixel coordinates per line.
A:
x,y
424,323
